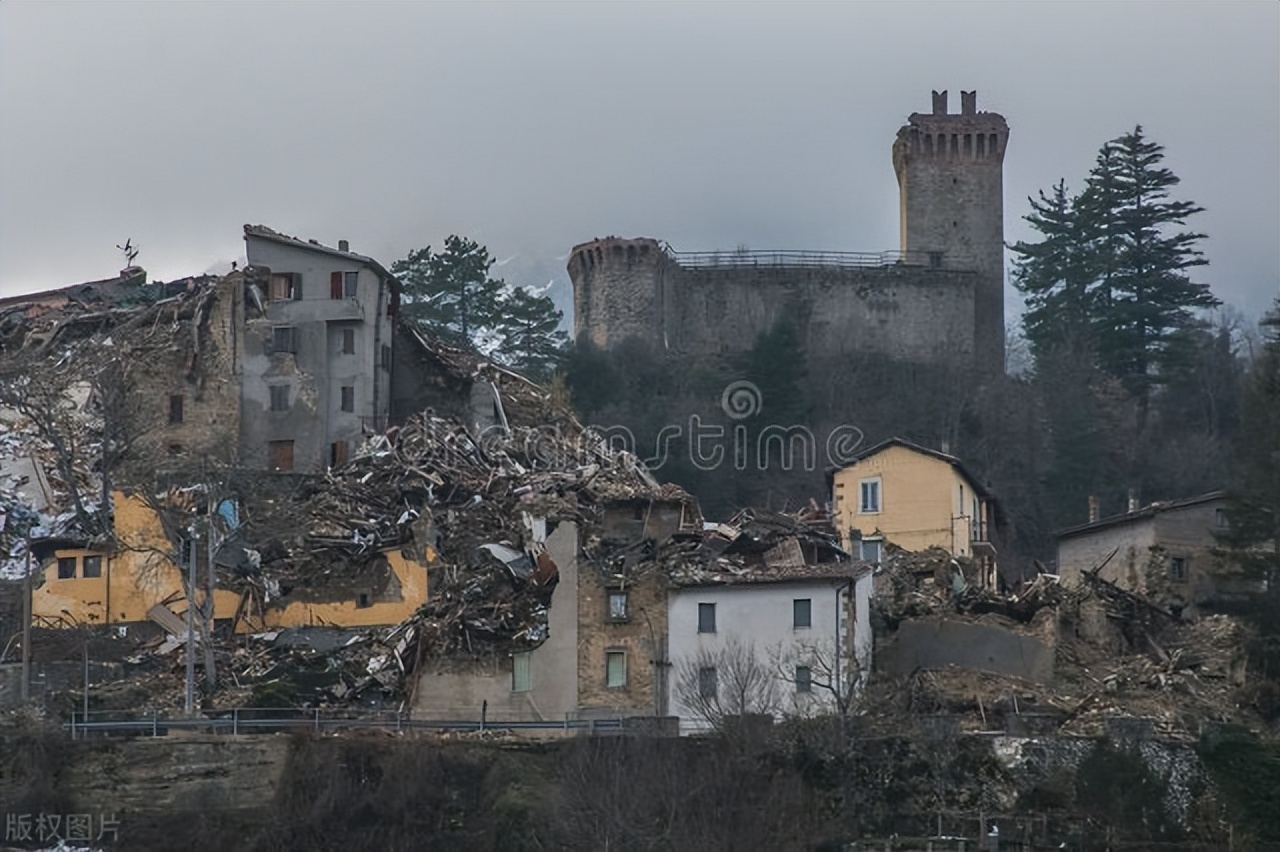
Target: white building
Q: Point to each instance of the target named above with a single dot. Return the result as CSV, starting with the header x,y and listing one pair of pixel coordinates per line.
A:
x,y
793,646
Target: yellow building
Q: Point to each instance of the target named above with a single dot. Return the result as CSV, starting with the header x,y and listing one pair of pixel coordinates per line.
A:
x,y
82,586
916,498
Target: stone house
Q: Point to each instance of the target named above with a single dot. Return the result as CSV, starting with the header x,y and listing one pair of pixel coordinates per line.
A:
x,y
1166,550
901,493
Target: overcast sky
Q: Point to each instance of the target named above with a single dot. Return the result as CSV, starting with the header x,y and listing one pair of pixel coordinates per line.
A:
x,y
531,127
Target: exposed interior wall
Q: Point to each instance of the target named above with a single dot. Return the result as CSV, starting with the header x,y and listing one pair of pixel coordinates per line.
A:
x,y
934,643
142,573
448,687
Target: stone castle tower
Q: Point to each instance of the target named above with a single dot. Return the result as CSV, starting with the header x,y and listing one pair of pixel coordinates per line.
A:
x,y
951,201
939,299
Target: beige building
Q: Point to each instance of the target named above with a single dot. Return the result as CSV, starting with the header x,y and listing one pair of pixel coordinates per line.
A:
x,y
913,497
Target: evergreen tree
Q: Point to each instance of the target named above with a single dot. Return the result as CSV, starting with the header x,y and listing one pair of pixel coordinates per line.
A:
x,y
450,295
1143,294
1108,278
1054,275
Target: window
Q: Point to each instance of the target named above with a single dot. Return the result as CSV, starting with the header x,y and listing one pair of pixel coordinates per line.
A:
x,y
871,550
1220,519
520,671
284,338
66,567
804,679
175,408
339,454
869,496
615,669
342,285
279,397
348,398
708,688
706,618
1177,569
386,357
284,286
363,601
618,606
348,341
801,613
92,566
281,453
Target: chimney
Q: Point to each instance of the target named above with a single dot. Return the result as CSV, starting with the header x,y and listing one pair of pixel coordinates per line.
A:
x,y
1133,500
343,245
1093,509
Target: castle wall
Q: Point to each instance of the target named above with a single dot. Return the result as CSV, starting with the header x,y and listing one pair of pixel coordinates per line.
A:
x,y
618,288
905,312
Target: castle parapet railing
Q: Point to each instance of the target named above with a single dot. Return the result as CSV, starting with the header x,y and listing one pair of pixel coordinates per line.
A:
x,y
817,259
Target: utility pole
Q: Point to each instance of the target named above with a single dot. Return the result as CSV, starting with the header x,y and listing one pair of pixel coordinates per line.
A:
x,y
26,626
192,548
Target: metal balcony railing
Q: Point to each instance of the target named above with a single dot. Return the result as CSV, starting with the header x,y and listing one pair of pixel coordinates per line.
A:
x,y
817,259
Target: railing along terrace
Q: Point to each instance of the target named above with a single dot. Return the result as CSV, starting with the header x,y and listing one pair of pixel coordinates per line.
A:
x,y
817,259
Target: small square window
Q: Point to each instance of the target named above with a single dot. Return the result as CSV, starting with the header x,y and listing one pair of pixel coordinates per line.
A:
x,y
363,600
869,496
1178,569
871,550
348,398
615,669
804,679
279,397
706,618
708,687
66,567
801,613
521,671
348,341
175,408
92,566
618,606
284,339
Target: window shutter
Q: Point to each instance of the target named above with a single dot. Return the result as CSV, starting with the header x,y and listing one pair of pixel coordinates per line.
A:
x,y
335,285
297,286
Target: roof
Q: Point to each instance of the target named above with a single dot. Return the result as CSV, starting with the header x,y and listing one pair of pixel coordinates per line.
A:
x,y
265,233
977,483
1141,514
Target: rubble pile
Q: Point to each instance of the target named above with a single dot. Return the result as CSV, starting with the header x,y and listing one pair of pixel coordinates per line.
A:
x,y
1119,658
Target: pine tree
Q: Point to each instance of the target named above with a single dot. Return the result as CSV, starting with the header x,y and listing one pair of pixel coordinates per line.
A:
x,y
450,295
1054,275
1143,294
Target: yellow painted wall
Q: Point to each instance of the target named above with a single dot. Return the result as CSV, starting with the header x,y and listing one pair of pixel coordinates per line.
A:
x,y
141,574
919,501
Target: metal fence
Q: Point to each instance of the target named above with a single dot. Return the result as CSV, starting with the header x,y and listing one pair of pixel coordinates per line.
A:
x,y
257,720
817,259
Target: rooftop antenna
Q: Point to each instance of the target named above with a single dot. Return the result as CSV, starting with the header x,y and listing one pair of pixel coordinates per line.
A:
x,y
129,251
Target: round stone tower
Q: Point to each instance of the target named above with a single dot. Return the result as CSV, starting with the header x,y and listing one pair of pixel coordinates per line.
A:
x,y
951,206
619,289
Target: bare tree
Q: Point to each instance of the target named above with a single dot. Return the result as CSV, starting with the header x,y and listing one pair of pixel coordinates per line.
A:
x,y
732,681
831,680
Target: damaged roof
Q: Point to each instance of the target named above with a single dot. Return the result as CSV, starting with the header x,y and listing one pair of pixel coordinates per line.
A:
x,y
265,233
1149,511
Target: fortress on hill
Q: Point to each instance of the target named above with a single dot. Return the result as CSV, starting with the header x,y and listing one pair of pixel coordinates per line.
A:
x,y
938,299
